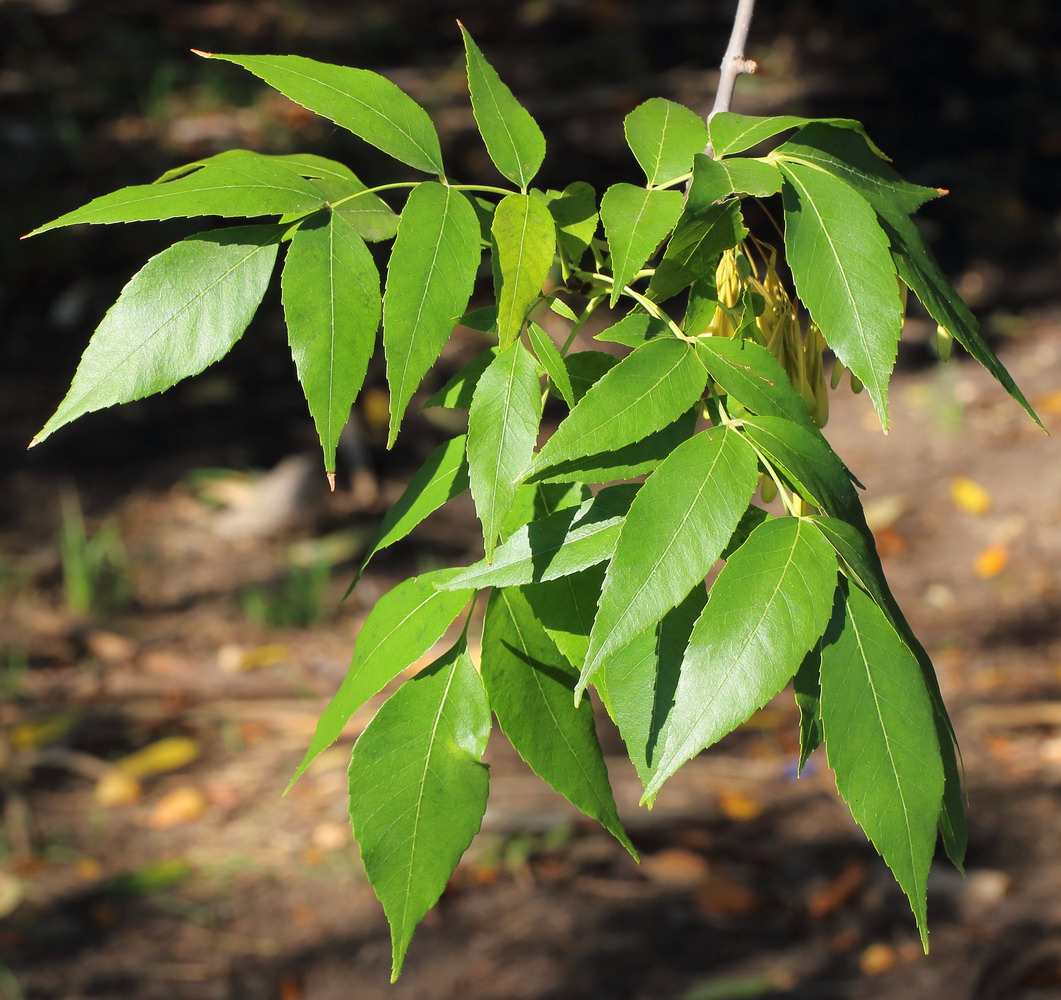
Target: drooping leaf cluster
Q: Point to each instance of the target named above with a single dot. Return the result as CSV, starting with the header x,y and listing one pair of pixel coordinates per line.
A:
x,y
599,542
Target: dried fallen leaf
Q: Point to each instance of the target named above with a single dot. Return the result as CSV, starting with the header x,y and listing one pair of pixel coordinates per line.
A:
x,y
181,805
838,892
675,867
738,806
330,836
160,757
116,788
10,894
110,646
991,561
878,958
721,896
233,659
890,543
969,496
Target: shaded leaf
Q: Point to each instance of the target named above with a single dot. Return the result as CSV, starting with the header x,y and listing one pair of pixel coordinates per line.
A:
x,y
565,607
549,355
807,688
664,137
565,542
636,221
585,368
183,310
429,281
457,393
332,307
719,179
637,682
402,626
530,685
676,529
418,789
361,101
768,607
575,213
502,431
512,137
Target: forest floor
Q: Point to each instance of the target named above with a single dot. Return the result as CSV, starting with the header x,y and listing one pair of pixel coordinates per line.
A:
x,y
199,882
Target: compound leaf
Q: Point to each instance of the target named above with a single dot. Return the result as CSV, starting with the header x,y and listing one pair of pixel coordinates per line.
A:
x,y
360,101
241,186
881,742
401,627
512,137
525,236
676,529
502,430
529,683
418,789
844,274
768,607
636,221
646,391
183,310
429,282
664,137
330,289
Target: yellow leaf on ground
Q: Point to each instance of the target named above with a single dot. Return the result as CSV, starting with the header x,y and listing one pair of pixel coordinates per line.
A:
x,y
738,806
182,805
877,959
991,561
969,496
163,755
116,788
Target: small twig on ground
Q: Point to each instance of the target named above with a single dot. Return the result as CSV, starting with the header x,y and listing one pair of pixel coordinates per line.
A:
x,y
734,62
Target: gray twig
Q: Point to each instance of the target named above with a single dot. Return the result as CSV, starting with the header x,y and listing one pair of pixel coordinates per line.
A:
x,y
734,62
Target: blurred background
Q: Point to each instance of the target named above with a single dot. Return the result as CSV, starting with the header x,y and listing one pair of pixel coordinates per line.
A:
x,y
170,571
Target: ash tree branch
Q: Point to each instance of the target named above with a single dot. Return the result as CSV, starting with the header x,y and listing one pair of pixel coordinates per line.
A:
x,y
734,62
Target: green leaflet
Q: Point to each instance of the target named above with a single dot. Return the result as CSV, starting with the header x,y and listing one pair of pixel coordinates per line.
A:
x,y
703,304
529,684
429,281
732,133
418,789
704,230
330,289
565,542
401,627
754,377
183,310
549,355
623,463
677,526
636,221
526,240
361,101
807,688
848,156
768,606
881,743
637,682
512,137
646,391
574,211
457,393
719,179
844,274
502,430
664,137
810,465
633,330
238,187
862,564
443,476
